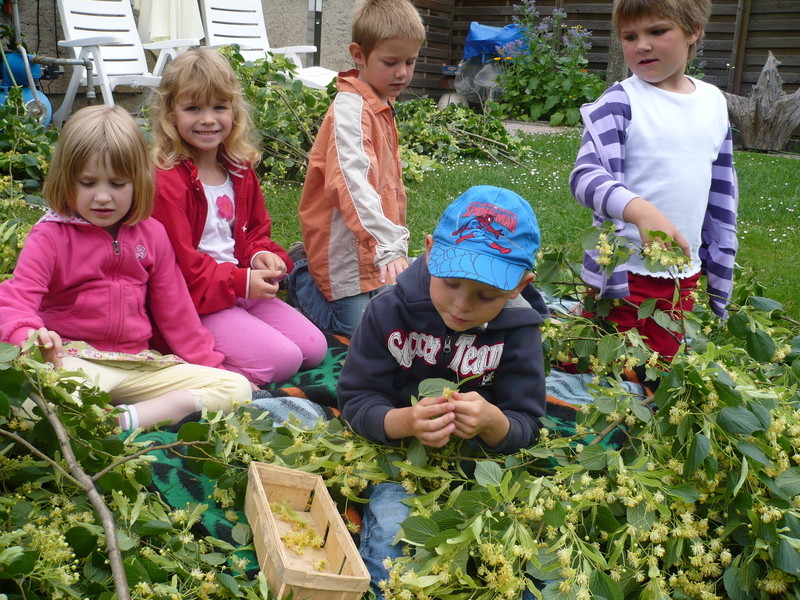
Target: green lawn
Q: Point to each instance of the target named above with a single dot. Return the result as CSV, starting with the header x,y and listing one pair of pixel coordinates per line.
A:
x,y
769,211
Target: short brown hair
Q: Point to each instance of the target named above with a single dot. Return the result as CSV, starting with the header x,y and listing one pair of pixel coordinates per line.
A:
x,y
112,133
200,74
686,14
375,21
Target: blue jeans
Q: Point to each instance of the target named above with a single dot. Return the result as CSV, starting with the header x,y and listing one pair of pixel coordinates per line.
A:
x,y
338,316
380,522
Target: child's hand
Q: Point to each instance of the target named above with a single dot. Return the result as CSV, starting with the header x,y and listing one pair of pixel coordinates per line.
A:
x,y
262,286
430,421
475,416
269,261
393,269
50,342
647,217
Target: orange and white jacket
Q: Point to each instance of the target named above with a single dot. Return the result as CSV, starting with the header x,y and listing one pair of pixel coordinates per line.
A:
x,y
353,207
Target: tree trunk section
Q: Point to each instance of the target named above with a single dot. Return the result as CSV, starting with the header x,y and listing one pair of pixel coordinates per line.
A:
x,y
616,69
767,118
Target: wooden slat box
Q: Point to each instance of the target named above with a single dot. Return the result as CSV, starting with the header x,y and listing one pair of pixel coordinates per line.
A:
x,y
344,577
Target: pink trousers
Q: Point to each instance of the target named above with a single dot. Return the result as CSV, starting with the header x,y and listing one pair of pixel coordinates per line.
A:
x,y
265,340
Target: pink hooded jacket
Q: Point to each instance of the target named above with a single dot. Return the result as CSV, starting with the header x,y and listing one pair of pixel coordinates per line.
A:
x,y
72,277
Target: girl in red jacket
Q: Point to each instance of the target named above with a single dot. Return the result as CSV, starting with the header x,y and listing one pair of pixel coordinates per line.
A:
x,y
209,199
96,270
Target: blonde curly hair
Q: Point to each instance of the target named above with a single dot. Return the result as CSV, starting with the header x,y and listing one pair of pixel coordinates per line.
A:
x,y
201,74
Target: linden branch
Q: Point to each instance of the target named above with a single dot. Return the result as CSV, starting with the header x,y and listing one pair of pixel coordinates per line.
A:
x,y
84,481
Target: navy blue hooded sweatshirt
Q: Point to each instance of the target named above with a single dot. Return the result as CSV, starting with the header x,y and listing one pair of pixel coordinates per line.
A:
x,y
402,340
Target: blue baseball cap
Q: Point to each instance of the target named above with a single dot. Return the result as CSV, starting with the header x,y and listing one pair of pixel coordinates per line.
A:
x,y
488,234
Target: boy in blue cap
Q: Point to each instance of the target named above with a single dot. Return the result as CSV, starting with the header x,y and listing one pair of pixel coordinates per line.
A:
x,y
464,311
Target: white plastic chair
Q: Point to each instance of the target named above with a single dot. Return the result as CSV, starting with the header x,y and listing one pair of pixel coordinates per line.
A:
x,y
241,22
105,32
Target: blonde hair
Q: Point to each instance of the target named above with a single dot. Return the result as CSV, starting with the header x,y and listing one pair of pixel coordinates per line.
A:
x,y
375,21
108,132
200,74
686,14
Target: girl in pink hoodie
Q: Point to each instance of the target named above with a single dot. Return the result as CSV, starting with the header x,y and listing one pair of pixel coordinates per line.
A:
x,y
96,270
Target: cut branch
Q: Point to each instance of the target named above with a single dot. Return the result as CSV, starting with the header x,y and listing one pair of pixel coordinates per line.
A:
x,y
87,485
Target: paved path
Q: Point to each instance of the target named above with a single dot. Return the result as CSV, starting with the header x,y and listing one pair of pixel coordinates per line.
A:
x,y
534,127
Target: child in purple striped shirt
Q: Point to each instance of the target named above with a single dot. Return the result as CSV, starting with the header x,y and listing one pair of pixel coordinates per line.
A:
x,y
657,155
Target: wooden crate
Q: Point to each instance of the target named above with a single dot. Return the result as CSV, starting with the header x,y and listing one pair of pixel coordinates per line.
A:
x,y
344,578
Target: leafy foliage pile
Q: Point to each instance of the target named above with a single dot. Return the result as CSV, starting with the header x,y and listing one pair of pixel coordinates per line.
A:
x,y
25,150
544,75
288,116
700,500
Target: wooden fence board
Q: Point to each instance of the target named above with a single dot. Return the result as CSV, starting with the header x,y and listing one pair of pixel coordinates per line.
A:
x,y
769,25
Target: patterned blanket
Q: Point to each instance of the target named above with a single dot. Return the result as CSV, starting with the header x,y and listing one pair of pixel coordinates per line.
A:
x,y
312,394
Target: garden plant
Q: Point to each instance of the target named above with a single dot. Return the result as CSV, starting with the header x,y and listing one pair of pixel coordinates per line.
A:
x,y
543,75
693,492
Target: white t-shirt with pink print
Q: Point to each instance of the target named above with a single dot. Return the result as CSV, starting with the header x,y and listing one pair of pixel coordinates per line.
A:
x,y
217,238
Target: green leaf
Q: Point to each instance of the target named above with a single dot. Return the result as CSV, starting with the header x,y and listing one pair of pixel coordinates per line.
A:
x,y
193,431
8,352
684,491
646,308
605,520
472,501
241,533
488,473
764,304
642,412
742,478
760,345
787,558
733,585
82,541
214,559
154,527
609,349
434,387
751,450
417,455
447,519
594,457
228,583
698,451
556,516
16,561
789,481
727,393
603,587
417,530
739,325
738,420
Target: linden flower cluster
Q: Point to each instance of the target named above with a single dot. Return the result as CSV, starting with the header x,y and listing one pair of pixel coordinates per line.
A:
x,y
605,251
498,572
394,588
775,583
55,554
655,251
303,535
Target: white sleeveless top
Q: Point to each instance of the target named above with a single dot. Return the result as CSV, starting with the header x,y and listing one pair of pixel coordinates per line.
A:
x,y
672,141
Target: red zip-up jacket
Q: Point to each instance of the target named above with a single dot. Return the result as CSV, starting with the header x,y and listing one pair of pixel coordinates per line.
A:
x,y
182,207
